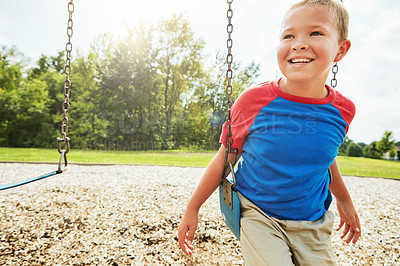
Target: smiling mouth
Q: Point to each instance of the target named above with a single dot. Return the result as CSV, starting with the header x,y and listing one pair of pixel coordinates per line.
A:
x,y
300,61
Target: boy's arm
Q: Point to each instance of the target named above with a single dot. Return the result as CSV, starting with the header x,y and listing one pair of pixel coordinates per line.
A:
x,y
347,212
209,182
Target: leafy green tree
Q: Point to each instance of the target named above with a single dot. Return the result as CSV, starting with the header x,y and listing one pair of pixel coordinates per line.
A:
x,y
392,154
386,144
10,80
150,89
354,150
30,117
370,151
11,72
362,144
343,147
179,64
43,66
211,96
128,99
84,122
145,114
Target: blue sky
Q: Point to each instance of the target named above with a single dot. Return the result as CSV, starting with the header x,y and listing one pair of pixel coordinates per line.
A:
x,y
369,74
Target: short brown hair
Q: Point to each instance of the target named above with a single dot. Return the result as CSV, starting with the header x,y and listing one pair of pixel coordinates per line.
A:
x,y
339,12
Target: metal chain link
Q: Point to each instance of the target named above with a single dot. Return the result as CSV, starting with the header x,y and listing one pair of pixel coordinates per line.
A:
x,y
67,85
229,90
229,58
335,69
229,75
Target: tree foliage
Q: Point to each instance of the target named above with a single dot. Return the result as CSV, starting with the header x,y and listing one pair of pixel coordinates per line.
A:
x,y
387,143
354,150
374,150
150,89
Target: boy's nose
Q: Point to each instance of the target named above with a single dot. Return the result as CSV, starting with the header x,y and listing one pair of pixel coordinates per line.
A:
x,y
300,46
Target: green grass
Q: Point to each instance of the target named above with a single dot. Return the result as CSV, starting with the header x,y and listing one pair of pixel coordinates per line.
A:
x,y
369,167
171,158
347,165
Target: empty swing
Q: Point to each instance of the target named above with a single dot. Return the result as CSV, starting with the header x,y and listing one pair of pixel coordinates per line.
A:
x,y
65,108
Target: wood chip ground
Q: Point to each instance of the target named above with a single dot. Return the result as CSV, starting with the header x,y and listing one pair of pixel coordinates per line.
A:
x,y
128,215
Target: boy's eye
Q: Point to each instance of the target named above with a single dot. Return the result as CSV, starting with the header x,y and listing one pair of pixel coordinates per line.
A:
x,y
316,33
289,36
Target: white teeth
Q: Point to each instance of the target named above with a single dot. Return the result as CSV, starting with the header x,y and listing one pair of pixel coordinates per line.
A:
x,y
300,60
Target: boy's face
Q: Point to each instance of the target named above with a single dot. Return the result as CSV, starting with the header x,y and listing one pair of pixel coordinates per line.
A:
x,y
308,44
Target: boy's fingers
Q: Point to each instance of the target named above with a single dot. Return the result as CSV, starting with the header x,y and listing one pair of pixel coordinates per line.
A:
x,y
189,245
350,236
190,236
356,237
345,230
357,225
182,239
341,223
357,230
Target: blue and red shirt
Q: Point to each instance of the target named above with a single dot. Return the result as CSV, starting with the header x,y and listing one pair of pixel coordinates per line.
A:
x,y
287,144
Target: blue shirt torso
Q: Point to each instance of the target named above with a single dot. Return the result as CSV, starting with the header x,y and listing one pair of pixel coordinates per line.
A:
x,y
285,157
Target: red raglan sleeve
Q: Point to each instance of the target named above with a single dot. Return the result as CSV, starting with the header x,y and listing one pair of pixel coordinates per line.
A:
x,y
244,111
346,107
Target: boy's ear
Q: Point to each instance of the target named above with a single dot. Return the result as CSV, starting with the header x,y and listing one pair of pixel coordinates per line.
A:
x,y
343,49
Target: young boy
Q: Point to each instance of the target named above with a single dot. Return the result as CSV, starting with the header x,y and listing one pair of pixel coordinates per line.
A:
x,y
288,132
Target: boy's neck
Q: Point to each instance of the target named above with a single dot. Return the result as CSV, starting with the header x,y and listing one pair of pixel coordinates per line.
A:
x,y
316,90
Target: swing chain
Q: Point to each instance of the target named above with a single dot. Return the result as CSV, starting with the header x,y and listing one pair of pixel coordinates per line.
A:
x,y
229,58
335,69
229,74
229,90
67,85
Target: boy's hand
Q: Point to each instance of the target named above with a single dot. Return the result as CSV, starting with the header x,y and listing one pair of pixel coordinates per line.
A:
x,y
186,231
349,218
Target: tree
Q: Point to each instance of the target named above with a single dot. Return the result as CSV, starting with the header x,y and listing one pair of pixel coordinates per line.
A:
x,y
386,144
127,98
354,150
370,151
343,147
27,104
362,144
211,97
84,123
29,118
179,64
150,89
392,154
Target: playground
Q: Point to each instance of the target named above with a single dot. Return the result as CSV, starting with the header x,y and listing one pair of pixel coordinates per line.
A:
x,y
128,215
108,214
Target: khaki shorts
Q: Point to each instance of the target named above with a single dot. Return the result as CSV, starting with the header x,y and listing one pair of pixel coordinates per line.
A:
x,y
267,240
